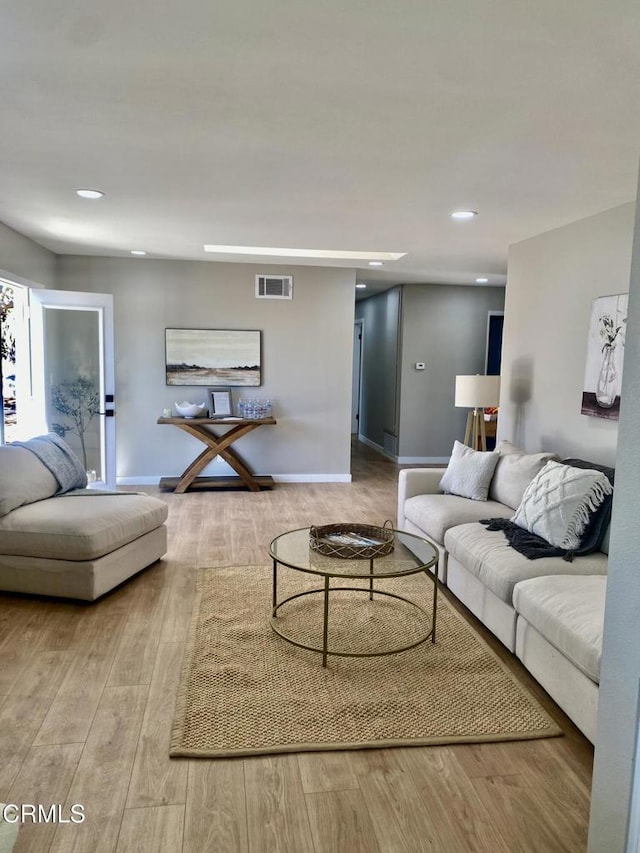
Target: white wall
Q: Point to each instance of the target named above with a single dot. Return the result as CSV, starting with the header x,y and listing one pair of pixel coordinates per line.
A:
x,y
551,282
445,327
307,354
618,712
24,260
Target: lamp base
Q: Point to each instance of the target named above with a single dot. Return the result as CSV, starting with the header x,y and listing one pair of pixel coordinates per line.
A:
x,y
475,435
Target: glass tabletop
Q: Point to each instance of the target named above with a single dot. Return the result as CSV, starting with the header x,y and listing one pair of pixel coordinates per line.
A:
x,y
410,554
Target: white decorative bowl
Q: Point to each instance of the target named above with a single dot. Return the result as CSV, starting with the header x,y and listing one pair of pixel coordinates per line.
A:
x,y
190,410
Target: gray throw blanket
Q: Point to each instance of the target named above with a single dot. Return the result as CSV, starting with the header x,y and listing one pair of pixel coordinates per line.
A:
x,y
58,457
534,547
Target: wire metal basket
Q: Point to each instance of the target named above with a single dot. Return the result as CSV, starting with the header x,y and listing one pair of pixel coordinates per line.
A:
x,y
352,541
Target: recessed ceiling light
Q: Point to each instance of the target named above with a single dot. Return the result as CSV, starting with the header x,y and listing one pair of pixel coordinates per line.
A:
x,y
360,285
463,214
338,254
138,252
89,193
482,280
375,263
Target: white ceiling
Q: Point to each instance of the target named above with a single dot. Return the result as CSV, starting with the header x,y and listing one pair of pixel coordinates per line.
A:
x,y
334,124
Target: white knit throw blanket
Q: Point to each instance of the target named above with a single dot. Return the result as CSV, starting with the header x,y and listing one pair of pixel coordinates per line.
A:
x,y
558,503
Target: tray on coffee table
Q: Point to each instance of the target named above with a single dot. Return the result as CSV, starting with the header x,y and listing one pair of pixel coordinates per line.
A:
x,y
352,541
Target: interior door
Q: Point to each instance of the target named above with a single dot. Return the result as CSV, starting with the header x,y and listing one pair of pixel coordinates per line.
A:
x,y
72,363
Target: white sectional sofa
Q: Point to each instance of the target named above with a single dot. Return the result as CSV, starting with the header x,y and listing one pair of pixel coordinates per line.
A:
x,y
547,611
77,543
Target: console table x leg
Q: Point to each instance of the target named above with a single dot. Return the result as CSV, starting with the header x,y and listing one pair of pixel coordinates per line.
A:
x,y
217,446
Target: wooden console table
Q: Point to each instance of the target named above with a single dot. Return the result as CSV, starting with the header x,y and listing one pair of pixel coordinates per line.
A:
x,y
217,445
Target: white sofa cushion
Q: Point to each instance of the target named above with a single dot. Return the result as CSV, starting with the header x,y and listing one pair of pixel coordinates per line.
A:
x,y
469,472
82,527
558,503
487,555
435,514
569,613
515,469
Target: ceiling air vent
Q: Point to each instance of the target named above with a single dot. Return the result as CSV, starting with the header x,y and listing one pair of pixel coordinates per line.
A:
x,y
274,287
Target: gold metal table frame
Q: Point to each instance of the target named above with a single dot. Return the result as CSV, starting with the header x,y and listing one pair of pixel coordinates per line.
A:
x,y
334,567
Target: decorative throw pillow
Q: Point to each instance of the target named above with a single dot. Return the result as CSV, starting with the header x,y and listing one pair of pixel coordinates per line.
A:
x,y
558,503
56,455
469,473
514,471
23,479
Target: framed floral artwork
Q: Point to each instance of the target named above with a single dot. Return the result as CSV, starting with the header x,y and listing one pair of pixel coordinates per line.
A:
x,y
605,356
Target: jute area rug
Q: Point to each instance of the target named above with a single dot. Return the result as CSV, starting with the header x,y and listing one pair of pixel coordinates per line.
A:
x,y
245,691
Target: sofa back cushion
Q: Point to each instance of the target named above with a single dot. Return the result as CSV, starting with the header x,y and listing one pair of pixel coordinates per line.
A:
x,y
514,471
23,478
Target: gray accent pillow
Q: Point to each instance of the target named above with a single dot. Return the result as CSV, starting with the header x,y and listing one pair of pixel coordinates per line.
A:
x,y
558,503
469,473
514,471
23,478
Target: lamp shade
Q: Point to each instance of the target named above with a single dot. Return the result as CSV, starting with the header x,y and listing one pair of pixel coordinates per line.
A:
x,y
477,392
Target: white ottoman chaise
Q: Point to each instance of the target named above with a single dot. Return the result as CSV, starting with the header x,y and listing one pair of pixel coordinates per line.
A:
x,y
77,543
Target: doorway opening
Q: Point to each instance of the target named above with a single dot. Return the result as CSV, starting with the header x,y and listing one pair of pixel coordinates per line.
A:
x,y
57,372
493,359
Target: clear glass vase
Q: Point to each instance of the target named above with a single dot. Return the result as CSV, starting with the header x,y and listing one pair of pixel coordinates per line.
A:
x,y
607,385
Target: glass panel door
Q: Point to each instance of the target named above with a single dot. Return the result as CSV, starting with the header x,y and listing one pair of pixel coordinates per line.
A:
x,y
73,375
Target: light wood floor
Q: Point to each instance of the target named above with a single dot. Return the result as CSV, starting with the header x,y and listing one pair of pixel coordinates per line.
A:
x,y
86,703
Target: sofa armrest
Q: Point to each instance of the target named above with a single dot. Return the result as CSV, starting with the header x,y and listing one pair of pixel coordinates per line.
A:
x,y
416,481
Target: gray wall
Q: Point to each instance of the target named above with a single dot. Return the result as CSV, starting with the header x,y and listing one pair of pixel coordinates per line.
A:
x,y
446,327
618,708
551,282
307,354
380,365
23,259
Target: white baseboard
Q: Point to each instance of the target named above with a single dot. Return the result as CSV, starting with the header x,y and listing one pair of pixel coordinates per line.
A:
x,y
405,460
374,446
277,478
312,478
422,460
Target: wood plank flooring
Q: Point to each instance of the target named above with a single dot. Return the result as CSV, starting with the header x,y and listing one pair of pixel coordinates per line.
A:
x,y
86,704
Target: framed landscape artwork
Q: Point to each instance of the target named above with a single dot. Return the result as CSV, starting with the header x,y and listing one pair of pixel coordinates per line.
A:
x,y
605,355
213,357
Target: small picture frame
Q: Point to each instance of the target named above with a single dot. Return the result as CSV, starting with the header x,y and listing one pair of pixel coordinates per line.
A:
x,y
220,403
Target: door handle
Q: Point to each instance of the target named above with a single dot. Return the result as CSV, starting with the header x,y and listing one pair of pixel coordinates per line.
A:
x,y
108,413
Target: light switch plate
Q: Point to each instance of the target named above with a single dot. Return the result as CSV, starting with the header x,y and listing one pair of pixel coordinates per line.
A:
x,y
419,365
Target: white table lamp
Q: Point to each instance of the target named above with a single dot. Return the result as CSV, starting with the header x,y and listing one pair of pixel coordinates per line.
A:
x,y
478,393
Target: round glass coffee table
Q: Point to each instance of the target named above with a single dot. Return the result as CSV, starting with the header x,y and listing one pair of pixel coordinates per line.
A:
x,y
410,555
